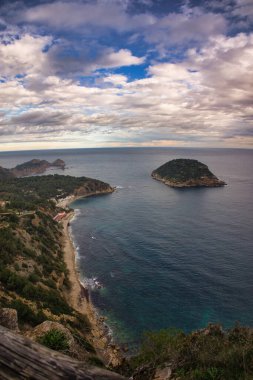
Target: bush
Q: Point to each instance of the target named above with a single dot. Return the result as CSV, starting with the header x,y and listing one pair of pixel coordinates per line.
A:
x,y
26,314
33,277
212,354
55,339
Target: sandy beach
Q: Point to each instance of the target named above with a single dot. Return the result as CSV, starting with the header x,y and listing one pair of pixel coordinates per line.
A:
x,y
78,298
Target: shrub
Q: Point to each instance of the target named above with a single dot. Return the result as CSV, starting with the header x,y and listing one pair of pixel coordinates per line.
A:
x,y
26,314
33,277
55,339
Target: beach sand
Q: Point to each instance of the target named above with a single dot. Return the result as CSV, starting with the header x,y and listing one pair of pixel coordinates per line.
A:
x,y
78,298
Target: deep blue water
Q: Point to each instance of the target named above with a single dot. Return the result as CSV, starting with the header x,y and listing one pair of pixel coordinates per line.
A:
x,y
166,257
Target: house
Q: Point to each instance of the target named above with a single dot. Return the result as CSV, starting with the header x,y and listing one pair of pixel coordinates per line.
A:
x,y
59,216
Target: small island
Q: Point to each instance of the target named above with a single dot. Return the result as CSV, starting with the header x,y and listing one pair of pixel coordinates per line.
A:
x,y
184,173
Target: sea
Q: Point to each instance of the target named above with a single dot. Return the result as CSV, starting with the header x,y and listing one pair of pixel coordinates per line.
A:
x,y
162,257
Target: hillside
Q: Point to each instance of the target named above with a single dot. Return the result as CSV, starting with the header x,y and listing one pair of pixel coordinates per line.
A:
x,y
34,279
186,173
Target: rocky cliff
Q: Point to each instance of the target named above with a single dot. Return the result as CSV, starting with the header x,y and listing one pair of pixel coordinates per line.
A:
x,y
186,173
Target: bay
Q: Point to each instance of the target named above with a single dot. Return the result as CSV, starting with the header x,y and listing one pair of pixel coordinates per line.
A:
x,y
165,257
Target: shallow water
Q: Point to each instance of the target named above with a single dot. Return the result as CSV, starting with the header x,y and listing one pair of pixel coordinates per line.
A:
x,y
165,257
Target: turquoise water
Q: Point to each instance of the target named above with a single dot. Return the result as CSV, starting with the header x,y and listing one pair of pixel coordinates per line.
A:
x,y
165,257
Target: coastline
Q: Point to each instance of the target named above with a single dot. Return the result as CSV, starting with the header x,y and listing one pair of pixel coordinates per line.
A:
x,y
78,296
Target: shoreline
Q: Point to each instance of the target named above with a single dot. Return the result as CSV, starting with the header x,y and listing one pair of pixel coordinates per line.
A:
x,y
78,295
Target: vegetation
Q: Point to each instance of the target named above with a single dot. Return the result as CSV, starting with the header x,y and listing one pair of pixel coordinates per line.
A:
x,y
210,354
183,169
30,193
34,280
55,339
186,172
33,275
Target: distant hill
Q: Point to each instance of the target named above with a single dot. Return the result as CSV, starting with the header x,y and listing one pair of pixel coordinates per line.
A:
x,y
34,166
184,172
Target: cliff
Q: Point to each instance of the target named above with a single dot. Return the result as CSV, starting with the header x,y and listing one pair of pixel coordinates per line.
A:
x,y
186,173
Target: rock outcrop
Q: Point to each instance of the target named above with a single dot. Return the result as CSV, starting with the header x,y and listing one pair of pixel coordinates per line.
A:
x,y
186,173
9,318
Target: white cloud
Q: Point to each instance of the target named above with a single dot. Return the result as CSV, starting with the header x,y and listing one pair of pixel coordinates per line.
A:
x,y
123,57
205,97
115,79
191,25
23,55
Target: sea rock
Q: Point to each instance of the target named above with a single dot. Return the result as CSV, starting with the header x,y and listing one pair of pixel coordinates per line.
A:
x,y
186,173
59,163
9,318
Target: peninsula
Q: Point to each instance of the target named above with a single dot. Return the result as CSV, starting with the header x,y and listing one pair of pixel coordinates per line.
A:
x,y
31,167
184,173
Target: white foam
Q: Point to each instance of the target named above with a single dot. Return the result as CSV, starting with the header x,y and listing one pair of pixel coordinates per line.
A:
x,y
92,283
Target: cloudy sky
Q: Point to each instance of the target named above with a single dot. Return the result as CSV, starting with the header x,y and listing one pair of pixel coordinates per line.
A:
x,y
106,73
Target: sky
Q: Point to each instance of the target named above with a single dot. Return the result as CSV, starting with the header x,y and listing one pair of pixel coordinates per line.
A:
x,y
119,73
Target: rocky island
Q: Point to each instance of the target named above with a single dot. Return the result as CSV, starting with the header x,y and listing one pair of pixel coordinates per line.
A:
x,y
184,172
31,167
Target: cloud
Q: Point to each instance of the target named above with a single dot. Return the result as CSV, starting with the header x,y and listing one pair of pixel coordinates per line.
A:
x,y
190,25
58,87
34,55
76,14
205,98
244,8
115,79
23,55
97,18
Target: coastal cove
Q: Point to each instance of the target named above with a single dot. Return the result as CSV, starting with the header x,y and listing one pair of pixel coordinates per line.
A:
x,y
164,257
